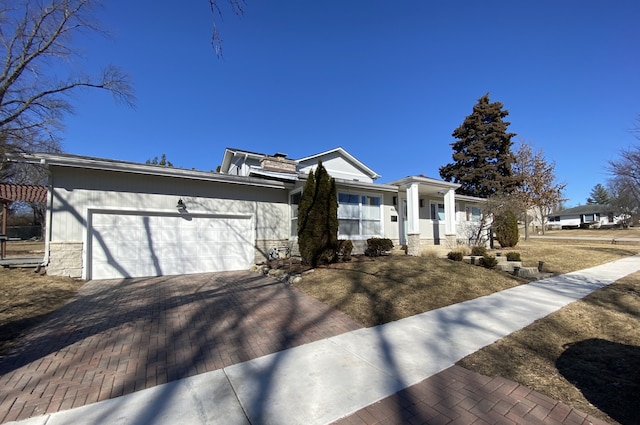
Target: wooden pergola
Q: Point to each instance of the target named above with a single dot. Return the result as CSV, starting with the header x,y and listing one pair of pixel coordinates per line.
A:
x,y
17,192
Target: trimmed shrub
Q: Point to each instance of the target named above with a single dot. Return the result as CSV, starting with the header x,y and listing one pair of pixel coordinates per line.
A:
x,y
318,219
488,261
455,255
345,246
478,251
378,246
513,256
506,229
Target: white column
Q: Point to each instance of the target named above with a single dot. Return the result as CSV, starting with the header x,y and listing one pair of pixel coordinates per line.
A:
x,y
450,213
413,209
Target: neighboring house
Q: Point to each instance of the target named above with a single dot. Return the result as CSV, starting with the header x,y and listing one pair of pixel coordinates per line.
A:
x,y
592,215
113,219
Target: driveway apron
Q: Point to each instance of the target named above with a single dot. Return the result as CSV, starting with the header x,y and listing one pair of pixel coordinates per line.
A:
x,y
117,337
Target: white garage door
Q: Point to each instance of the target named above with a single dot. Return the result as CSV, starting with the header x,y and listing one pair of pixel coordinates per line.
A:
x,y
133,245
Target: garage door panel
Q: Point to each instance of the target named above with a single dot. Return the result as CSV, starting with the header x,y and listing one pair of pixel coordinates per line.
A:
x,y
166,250
127,251
172,265
189,249
189,235
108,220
131,245
207,249
165,234
107,233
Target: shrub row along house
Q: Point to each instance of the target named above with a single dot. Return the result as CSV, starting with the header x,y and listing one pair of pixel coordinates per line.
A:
x,y
113,219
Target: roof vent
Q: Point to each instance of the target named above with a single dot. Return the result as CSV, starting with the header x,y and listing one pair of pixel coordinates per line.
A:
x,y
280,155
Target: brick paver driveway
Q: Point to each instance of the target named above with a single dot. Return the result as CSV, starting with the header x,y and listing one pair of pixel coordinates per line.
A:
x,y
121,336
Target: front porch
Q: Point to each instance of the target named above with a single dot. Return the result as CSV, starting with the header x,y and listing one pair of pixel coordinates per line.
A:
x,y
432,215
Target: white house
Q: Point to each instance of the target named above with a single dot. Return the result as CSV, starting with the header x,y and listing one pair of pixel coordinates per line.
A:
x,y
591,215
113,219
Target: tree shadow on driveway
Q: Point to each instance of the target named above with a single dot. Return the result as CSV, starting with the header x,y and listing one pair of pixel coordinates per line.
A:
x,y
120,336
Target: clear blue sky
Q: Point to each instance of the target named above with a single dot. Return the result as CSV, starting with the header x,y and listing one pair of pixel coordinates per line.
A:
x,y
388,81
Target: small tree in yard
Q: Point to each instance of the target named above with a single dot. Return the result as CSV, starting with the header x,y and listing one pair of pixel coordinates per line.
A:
x,y
538,190
318,219
506,228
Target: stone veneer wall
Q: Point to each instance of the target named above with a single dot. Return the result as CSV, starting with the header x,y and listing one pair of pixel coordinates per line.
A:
x,y
65,259
413,244
263,246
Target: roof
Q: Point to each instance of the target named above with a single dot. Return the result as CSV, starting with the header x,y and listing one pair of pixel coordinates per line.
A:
x,y
76,161
23,192
345,154
584,209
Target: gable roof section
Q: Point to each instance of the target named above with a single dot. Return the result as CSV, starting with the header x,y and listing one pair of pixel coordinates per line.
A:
x,y
230,153
22,192
76,161
310,160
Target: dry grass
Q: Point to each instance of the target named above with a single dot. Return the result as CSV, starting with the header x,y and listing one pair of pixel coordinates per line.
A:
x,y
562,257
586,355
24,249
608,233
376,291
27,297
380,290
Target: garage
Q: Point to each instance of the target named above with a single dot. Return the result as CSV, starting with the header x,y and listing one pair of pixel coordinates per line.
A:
x,y
135,244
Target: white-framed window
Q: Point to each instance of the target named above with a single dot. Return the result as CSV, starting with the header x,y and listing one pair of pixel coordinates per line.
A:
x,y
359,216
437,211
294,202
473,213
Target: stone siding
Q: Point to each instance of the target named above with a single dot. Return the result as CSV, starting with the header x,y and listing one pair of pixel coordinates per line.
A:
x,y
278,164
65,259
413,244
264,247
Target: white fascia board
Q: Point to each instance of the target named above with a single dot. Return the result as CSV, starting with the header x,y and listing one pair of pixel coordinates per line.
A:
x,y
74,161
468,198
426,181
364,185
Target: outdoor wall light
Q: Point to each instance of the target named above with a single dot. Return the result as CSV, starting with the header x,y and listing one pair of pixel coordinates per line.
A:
x,y
181,206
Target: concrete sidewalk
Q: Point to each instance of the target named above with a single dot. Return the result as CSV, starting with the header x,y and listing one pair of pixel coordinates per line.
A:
x,y
326,380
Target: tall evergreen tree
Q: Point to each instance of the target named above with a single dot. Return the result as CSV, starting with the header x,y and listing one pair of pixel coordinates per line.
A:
x,y
482,154
318,218
599,195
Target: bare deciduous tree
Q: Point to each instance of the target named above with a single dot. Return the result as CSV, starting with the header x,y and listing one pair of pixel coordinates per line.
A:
x,y
37,70
538,192
237,6
624,186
